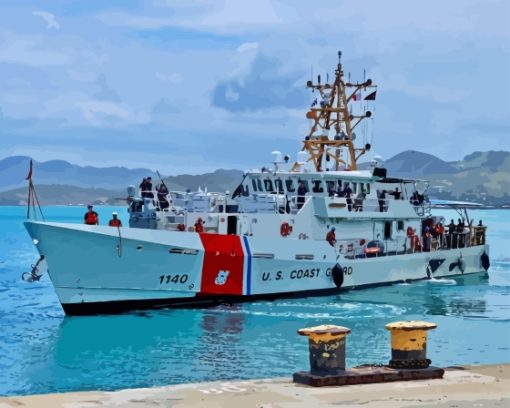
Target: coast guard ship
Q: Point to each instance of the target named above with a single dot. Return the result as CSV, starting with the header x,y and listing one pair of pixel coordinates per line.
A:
x,y
316,225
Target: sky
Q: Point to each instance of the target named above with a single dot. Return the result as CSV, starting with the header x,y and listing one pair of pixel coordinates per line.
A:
x,y
192,86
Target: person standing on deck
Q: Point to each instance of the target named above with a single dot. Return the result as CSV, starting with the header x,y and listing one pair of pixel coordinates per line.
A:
x,y
427,240
115,222
143,187
331,237
480,233
439,230
382,200
91,217
451,230
347,194
199,227
397,194
301,192
148,188
162,193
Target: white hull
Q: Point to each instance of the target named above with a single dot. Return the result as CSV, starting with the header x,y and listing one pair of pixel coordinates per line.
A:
x,y
96,271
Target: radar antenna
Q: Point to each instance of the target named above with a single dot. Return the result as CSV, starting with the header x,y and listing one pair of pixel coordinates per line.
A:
x,y
331,110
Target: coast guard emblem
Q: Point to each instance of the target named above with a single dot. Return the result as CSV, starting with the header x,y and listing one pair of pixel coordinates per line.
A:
x,y
221,279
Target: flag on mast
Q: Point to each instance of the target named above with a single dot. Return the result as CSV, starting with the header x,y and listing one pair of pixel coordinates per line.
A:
x,y
357,96
370,97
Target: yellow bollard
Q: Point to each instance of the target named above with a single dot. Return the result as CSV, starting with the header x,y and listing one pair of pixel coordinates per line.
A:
x,y
409,344
327,348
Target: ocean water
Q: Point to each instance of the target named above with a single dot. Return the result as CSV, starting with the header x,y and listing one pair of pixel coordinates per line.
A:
x,y
43,351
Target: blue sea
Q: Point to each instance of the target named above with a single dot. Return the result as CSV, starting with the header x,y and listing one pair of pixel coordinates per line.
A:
x,y
42,351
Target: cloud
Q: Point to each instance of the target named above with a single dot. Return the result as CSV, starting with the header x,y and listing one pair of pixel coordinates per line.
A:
x,y
228,76
29,50
227,16
102,112
248,46
51,22
262,88
173,78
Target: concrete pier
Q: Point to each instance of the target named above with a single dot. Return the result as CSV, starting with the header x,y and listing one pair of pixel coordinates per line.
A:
x,y
479,386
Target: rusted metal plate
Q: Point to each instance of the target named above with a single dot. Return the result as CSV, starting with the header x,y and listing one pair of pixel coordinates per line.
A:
x,y
368,375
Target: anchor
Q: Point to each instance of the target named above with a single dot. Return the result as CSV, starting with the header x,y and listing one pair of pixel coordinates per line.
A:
x,y
34,274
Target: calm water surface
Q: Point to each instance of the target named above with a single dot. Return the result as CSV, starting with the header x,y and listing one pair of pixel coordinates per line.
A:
x,y
42,351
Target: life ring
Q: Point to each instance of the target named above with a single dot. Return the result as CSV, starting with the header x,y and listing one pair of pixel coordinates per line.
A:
x,y
485,261
285,229
338,275
181,227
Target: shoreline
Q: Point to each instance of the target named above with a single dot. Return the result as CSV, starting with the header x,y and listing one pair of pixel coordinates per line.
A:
x,y
483,385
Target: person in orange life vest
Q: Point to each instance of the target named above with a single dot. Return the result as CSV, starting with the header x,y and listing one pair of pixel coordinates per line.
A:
x,y
115,222
198,225
439,230
414,241
91,217
330,237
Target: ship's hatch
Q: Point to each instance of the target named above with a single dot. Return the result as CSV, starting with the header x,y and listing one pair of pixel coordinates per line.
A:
x,y
232,224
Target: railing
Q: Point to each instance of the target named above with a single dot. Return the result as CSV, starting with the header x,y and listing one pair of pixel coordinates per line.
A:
x,y
413,244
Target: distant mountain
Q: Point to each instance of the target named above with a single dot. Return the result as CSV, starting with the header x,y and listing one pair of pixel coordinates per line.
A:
x,y
13,171
417,164
482,177
59,194
219,181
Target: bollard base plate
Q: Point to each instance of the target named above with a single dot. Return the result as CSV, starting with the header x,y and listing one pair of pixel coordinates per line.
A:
x,y
367,375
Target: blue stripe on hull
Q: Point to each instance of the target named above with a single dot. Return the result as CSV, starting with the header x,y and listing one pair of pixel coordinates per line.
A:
x,y
248,272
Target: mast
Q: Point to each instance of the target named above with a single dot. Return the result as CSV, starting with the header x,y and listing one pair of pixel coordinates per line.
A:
x,y
332,112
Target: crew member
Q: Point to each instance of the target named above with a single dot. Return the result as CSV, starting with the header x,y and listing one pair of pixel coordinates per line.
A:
x,y
480,233
347,194
451,230
301,191
143,188
461,236
115,222
382,200
427,240
395,193
330,237
148,188
199,227
162,193
91,217
439,230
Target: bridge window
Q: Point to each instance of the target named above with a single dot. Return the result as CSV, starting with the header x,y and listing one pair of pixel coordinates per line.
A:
x,y
305,182
254,184
317,186
368,188
354,188
289,183
400,225
330,185
259,184
268,184
279,186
